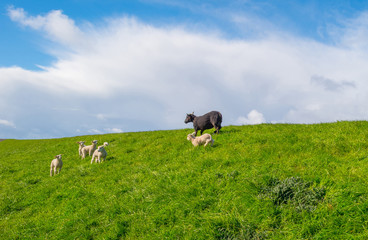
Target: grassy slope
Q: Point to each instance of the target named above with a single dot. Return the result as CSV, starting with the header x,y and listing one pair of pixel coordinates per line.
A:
x,y
156,185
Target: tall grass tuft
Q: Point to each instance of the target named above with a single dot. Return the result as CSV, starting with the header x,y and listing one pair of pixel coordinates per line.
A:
x,y
294,191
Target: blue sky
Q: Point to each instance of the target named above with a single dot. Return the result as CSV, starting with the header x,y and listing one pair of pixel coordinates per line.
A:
x,y
23,47
81,67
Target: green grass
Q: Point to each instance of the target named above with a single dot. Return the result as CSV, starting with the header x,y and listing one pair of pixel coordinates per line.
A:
x,y
268,181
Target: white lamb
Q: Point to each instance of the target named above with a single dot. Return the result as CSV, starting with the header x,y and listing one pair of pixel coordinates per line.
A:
x,y
81,145
204,139
56,164
99,153
89,149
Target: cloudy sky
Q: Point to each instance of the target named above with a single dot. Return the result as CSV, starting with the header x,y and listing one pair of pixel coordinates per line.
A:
x,y
79,67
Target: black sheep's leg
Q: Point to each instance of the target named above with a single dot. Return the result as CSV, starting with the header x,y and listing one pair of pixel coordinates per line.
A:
x,y
201,132
218,129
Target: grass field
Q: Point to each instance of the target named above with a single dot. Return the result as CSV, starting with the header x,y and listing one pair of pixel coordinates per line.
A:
x,y
268,181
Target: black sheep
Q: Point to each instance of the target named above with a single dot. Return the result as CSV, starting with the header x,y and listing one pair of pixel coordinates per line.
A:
x,y
207,121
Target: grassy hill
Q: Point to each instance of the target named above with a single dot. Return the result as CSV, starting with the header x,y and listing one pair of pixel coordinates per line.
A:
x,y
279,181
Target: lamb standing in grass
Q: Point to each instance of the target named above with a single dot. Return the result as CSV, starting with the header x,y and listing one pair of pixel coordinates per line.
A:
x,y
56,164
203,139
81,145
89,149
99,153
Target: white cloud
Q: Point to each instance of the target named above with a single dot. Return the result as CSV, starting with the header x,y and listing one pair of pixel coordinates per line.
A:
x,y
55,25
253,117
94,131
19,15
101,116
146,78
113,130
354,32
105,130
7,123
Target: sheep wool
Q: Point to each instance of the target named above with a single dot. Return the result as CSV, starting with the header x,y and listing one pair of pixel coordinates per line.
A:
x,y
56,165
81,145
89,149
205,139
99,153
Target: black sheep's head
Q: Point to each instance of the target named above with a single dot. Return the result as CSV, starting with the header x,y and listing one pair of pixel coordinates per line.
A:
x,y
189,118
